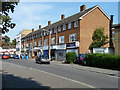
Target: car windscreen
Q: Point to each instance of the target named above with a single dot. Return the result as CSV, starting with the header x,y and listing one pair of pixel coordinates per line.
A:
x,y
44,56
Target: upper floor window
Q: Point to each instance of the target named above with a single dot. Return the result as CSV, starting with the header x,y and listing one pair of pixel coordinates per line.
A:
x,y
55,29
35,44
72,37
69,25
64,27
53,41
31,45
27,45
59,28
22,46
44,33
51,31
39,42
61,39
46,42
75,23
36,35
113,32
48,33
41,34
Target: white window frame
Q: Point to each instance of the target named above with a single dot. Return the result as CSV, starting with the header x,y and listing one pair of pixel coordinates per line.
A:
x,y
61,38
76,24
72,36
69,25
46,42
64,26
59,28
55,29
35,43
53,40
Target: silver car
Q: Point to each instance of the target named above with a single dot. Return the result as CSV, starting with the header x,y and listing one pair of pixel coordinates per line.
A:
x,y
42,59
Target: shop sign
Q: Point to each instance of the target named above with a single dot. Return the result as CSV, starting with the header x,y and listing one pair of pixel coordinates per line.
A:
x,y
61,46
72,45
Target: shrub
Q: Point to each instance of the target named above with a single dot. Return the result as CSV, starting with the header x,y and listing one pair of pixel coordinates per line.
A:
x,y
103,60
70,56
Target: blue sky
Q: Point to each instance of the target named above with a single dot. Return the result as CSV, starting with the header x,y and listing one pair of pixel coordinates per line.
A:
x,y
30,15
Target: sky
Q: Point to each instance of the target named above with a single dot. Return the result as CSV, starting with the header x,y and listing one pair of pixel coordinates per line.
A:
x,y
28,15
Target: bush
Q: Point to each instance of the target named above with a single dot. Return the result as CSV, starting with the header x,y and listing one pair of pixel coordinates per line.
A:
x,y
109,61
70,56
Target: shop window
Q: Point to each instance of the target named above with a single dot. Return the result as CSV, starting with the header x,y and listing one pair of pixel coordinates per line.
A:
x,y
72,37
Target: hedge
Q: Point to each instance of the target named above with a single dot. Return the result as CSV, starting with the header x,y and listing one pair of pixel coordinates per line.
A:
x,y
70,56
108,61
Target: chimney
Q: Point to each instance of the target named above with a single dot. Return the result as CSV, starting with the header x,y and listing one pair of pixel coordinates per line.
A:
x,y
82,8
33,30
111,23
49,22
62,16
39,26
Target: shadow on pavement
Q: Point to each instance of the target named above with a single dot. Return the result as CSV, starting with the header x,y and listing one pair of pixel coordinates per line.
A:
x,y
11,81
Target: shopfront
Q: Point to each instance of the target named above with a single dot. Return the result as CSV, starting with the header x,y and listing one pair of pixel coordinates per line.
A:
x,y
72,47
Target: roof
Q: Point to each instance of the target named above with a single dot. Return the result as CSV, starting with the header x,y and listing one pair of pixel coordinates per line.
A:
x,y
69,19
116,25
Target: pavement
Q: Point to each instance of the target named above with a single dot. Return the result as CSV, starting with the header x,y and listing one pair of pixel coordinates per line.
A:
x,y
87,68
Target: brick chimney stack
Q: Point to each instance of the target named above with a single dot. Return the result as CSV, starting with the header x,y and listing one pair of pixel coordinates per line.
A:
x,y
33,30
49,22
62,16
39,26
82,8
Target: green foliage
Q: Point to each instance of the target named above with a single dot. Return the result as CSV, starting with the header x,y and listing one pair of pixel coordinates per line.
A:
x,y
13,42
7,39
5,19
99,39
70,56
103,60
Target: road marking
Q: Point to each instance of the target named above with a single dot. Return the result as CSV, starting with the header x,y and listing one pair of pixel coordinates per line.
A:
x,y
90,86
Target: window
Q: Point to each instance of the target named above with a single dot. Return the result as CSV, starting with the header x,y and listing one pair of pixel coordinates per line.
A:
x,y
27,45
44,33
46,42
39,42
35,44
72,37
31,45
41,34
59,28
24,46
36,36
75,23
55,29
113,32
69,25
47,33
51,31
64,27
53,41
61,39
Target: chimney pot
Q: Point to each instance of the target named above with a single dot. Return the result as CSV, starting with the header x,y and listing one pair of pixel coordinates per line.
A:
x,y
62,16
33,30
49,22
82,8
39,26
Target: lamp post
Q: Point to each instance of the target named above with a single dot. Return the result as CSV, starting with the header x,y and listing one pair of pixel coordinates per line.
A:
x,y
49,42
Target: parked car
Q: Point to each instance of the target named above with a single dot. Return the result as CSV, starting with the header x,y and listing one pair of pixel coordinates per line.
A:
x,y
5,56
42,59
80,59
16,56
11,55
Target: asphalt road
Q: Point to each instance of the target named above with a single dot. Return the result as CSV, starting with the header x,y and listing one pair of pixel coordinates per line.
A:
x,y
63,77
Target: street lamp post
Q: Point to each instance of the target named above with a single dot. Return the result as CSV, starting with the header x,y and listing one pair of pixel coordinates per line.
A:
x,y
49,42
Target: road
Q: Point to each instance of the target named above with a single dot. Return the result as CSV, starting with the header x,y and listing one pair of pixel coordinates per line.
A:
x,y
28,74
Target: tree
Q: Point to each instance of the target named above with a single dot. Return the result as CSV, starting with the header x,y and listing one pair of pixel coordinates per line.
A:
x,y
99,39
5,20
13,42
7,40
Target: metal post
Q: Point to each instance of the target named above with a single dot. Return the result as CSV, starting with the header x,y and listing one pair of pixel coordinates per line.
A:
x,y
42,43
49,45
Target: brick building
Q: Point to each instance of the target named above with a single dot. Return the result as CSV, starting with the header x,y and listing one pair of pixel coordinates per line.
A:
x,y
71,34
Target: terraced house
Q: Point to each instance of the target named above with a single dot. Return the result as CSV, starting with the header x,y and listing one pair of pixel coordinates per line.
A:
x,y
71,34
